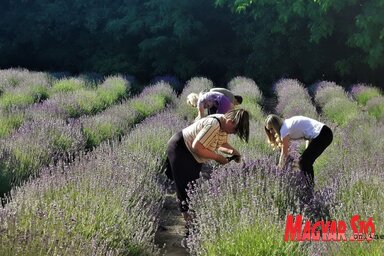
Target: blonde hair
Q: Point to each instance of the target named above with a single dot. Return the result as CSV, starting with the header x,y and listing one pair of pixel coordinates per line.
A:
x,y
241,119
274,123
192,99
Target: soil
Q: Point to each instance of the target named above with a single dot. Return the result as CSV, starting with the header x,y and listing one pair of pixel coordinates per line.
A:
x,y
171,228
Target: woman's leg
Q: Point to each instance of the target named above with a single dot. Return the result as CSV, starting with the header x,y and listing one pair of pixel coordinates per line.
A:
x,y
185,168
315,148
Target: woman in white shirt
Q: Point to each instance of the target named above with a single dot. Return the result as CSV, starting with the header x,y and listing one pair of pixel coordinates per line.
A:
x,y
200,142
280,132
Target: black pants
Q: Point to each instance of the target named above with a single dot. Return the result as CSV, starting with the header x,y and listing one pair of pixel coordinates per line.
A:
x,y
315,148
183,168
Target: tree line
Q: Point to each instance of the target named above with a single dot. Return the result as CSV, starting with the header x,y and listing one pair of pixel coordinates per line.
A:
x,y
265,40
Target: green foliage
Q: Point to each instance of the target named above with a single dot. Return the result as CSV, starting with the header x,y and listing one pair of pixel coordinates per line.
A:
x,y
341,111
9,123
375,107
341,38
253,240
99,133
67,85
368,93
61,142
23,97
145,109
369,34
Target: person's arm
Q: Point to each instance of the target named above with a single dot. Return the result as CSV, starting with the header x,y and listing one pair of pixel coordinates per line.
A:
x,y
199,149
284,151
228,149
201,108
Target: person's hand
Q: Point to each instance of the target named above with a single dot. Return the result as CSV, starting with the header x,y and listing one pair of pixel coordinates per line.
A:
x,y
236,158
221,159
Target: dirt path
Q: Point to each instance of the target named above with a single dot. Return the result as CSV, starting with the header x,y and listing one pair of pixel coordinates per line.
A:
x,y
171,229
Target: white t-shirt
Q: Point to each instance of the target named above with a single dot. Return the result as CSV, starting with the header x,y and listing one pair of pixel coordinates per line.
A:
x,y
299,127
207,132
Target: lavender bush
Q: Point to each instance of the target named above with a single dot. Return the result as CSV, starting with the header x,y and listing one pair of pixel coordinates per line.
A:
x,y
375,107
246,87
21,98
10,121
194,85
293,99
252,98
335,103
92,101
171,80
363,93
67,85
327,91
21,78
117,120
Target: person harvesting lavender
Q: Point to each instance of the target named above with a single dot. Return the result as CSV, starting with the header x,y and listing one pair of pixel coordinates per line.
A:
x,y
215,102
280,132
200,142
235,99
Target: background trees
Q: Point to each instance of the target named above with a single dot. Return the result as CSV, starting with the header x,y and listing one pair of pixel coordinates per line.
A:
x,y
265,40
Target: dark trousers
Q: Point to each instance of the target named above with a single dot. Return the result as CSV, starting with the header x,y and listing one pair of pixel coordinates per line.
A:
x,y
315,148
183,168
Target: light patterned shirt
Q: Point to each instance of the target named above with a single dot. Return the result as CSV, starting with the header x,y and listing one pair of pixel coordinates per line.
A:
x,y
207,131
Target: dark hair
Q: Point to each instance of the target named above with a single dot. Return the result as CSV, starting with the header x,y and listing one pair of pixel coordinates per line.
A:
x,y
241,118
239,99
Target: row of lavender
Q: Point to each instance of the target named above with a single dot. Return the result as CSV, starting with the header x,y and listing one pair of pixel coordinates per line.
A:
x,y
21,102
239,210
353,165
106,202
242,210
48,139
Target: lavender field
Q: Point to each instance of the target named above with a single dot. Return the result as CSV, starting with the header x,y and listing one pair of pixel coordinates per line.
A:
x,y
80,168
